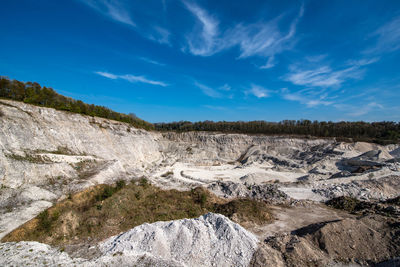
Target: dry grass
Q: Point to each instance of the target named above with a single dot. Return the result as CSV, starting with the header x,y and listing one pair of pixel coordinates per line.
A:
x,y
29,158
104,210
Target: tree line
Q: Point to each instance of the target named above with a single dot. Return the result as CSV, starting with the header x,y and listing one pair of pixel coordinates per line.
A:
x,y
33,93
385,132
379,132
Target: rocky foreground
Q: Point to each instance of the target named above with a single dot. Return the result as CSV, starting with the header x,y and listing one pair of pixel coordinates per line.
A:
x,y
46,155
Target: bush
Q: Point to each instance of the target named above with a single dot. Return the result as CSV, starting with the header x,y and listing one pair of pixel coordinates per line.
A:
x,y
144,182
349,204
109,190
44,221
120,184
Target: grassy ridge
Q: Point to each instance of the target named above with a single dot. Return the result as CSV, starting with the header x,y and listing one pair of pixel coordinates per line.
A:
x,y
33,93
104,210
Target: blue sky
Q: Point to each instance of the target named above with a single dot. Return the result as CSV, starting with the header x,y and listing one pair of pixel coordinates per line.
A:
x,y
171,60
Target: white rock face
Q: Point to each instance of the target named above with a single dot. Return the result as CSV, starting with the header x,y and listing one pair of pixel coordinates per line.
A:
x,y
34,254
28,130
210,240
45,154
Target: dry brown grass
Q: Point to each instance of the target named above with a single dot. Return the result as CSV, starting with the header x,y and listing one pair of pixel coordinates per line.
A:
x,y
102,211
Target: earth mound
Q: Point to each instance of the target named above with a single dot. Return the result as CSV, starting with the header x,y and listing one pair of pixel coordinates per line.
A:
x,y
210,240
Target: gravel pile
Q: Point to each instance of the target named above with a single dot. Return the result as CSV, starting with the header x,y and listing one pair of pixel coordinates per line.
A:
x,y
210,240
266,192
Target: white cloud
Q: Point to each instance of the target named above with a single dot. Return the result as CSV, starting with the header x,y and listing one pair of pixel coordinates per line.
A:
x,y
259,39
363,62
160,35
151,61
107,75
359,110
388,37
270,63
219,92
316,58
202,42
258,91
225,87
364,109
131,78
119,10
308,99
208,90
113,9
322,76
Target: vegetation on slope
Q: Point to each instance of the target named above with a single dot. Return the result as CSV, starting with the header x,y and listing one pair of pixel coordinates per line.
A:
x,y
378,132
33,93
104,210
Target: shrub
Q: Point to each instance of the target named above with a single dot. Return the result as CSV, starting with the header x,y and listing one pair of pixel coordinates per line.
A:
x,y
349,204
144,182
44,221
203,199
120,184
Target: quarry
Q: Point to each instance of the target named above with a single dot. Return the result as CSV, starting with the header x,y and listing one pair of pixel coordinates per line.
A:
x,y
204,199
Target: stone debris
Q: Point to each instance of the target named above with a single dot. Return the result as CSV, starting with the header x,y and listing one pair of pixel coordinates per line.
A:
x,y
210,240
46,154
266,192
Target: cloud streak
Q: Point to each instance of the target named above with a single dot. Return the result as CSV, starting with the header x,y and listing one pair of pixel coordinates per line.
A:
x,y
359,111
112,9
308,99
324,76
202,41
258,39
208,90
388,37
160,35
321,81
258,91
151,61
130,78
223,91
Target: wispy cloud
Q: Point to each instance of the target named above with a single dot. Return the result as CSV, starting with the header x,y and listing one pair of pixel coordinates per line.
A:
x,y
357,111
316,58
208,90
321,81
113,9
151,61
258,91
202,41
120,11
315,73
388,37
107,75
270,63
225,87
218,92
306,98
130,78
363,61
322,76
160,35
258,39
